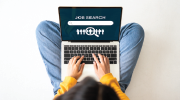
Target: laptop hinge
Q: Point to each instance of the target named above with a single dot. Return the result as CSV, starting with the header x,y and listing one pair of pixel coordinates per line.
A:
x,y
91,41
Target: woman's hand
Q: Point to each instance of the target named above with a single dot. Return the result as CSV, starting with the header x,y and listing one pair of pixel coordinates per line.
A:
x,y
103,67
73,67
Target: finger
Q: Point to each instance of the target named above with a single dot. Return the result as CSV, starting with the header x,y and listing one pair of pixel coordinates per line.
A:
x,y
95,58
71,60
95,67
75,59
101,58
79,61
105,59
82,67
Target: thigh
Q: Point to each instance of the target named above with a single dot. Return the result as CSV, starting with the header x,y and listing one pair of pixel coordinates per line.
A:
x,y
49,43
131,40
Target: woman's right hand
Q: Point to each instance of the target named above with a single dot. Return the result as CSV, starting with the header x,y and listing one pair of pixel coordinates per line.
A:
x,y
103,67
73,67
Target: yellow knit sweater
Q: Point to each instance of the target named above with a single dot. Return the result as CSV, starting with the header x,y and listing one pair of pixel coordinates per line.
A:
x,y
107,79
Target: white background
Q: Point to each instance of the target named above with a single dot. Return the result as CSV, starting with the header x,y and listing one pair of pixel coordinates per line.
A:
x,y
22,72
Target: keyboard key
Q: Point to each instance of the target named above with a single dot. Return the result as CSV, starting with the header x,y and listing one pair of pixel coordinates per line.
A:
x,y
96,52
67,59
72,48
105,48
115,51
71,51
82,51
109,48
80,48
98,48
86,55
87,62
66,55
115,62
92,59
107,51
111,51
100,51
96,55
102,48
90,55
91,48
65,48
112,58
76,48
72,55
69,48
78,51
114,48
89,51
88,59
111,62
94,48
66,62
108,55
113,55
93,51
74,51
66,51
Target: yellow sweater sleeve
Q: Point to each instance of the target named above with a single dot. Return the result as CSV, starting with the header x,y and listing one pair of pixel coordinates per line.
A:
x,y
111,81
68,83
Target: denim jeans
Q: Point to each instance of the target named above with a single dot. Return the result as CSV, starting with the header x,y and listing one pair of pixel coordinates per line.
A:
x,y
49,43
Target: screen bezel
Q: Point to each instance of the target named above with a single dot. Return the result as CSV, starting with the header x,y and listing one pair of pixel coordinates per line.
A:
x,y
88,40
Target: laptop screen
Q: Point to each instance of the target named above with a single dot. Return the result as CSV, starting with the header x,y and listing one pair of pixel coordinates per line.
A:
x,y
90,23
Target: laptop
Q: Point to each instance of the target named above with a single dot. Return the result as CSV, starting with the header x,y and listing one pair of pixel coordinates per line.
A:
x,y
87,30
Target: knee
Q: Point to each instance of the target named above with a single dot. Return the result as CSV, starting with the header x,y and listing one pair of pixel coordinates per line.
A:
x,y
137,30
133,29
41,28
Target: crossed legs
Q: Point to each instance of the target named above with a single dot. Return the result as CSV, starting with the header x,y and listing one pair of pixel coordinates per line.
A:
x,y
49,43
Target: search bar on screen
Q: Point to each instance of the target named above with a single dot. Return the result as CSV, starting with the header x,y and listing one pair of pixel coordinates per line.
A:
x,y
84,23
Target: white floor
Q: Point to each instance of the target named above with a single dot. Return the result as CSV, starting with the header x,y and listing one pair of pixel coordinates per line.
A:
x,y
22,72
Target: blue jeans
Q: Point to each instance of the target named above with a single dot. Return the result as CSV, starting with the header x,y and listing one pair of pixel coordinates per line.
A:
x,y
49,43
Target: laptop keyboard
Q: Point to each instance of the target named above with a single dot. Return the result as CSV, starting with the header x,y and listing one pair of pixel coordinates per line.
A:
x,y
79,50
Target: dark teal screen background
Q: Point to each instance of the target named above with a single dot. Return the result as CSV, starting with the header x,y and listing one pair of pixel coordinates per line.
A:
x,y
110,32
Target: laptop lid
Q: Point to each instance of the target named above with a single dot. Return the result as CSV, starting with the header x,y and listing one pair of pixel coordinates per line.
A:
x,y
90,23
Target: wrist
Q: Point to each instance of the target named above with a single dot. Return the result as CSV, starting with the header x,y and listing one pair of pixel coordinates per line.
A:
x,y
105,75
72,76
